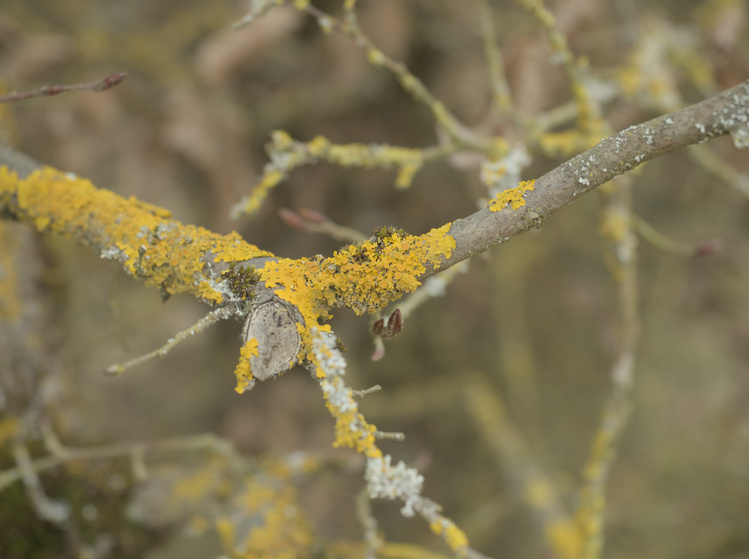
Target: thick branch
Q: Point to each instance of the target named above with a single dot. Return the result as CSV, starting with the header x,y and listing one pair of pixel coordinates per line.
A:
x,y
726,113
182,258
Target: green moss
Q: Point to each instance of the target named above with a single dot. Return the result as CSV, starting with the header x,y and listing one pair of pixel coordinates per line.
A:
x,y
242,280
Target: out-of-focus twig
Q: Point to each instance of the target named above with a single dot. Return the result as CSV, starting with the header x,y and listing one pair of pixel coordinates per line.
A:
x,y
210,319
501,98
56,512
660,241
410,83
621,245
372,536
713,164
384,479
49,90
316,222
60,455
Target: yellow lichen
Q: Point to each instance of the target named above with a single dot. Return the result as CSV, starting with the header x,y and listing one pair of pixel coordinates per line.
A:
x,y
149,244
353,431
8,429
512,196
243,371
281,529
270,179
10,294
375,57
564,538
364,277
288,154
454,537
193,486
539,492
226,532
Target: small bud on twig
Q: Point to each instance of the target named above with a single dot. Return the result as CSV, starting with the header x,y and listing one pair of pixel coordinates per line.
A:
x,y
50,90
394,325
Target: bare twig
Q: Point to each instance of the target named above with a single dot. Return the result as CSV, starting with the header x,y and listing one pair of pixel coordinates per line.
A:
x,y
621,244
26,468
315,222
726,113
660,241
210,319
49,90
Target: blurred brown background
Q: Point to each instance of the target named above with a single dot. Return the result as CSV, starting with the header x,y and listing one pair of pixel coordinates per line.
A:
x,y
186,131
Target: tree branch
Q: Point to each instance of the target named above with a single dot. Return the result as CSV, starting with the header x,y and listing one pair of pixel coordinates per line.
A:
x,y
364,277
726,113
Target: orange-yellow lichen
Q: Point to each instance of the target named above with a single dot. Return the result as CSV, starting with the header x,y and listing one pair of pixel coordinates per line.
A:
x,y
193,486
564,538
149,244
270,179
353,431
243,371
364,277
226,532
512,196
281,529
288,154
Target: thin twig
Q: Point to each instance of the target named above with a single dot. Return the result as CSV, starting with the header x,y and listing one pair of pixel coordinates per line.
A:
x,y
501,97
210,319
69,454
49,90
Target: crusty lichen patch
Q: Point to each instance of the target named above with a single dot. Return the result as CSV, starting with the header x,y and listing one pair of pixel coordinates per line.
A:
x,y
243,372
150,245
172,256
364,277
512,196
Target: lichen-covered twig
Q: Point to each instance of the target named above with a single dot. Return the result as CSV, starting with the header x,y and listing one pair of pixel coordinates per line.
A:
x,y
726,113
621,247
61,455
501,97
364,277
384,479
528,479
287,154
410,83
211,318
589,121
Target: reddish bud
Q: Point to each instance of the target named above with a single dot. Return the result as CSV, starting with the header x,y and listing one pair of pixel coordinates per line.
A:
x,y
111,81
708,248
378,353
313,216
291,219
394,325
395,322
